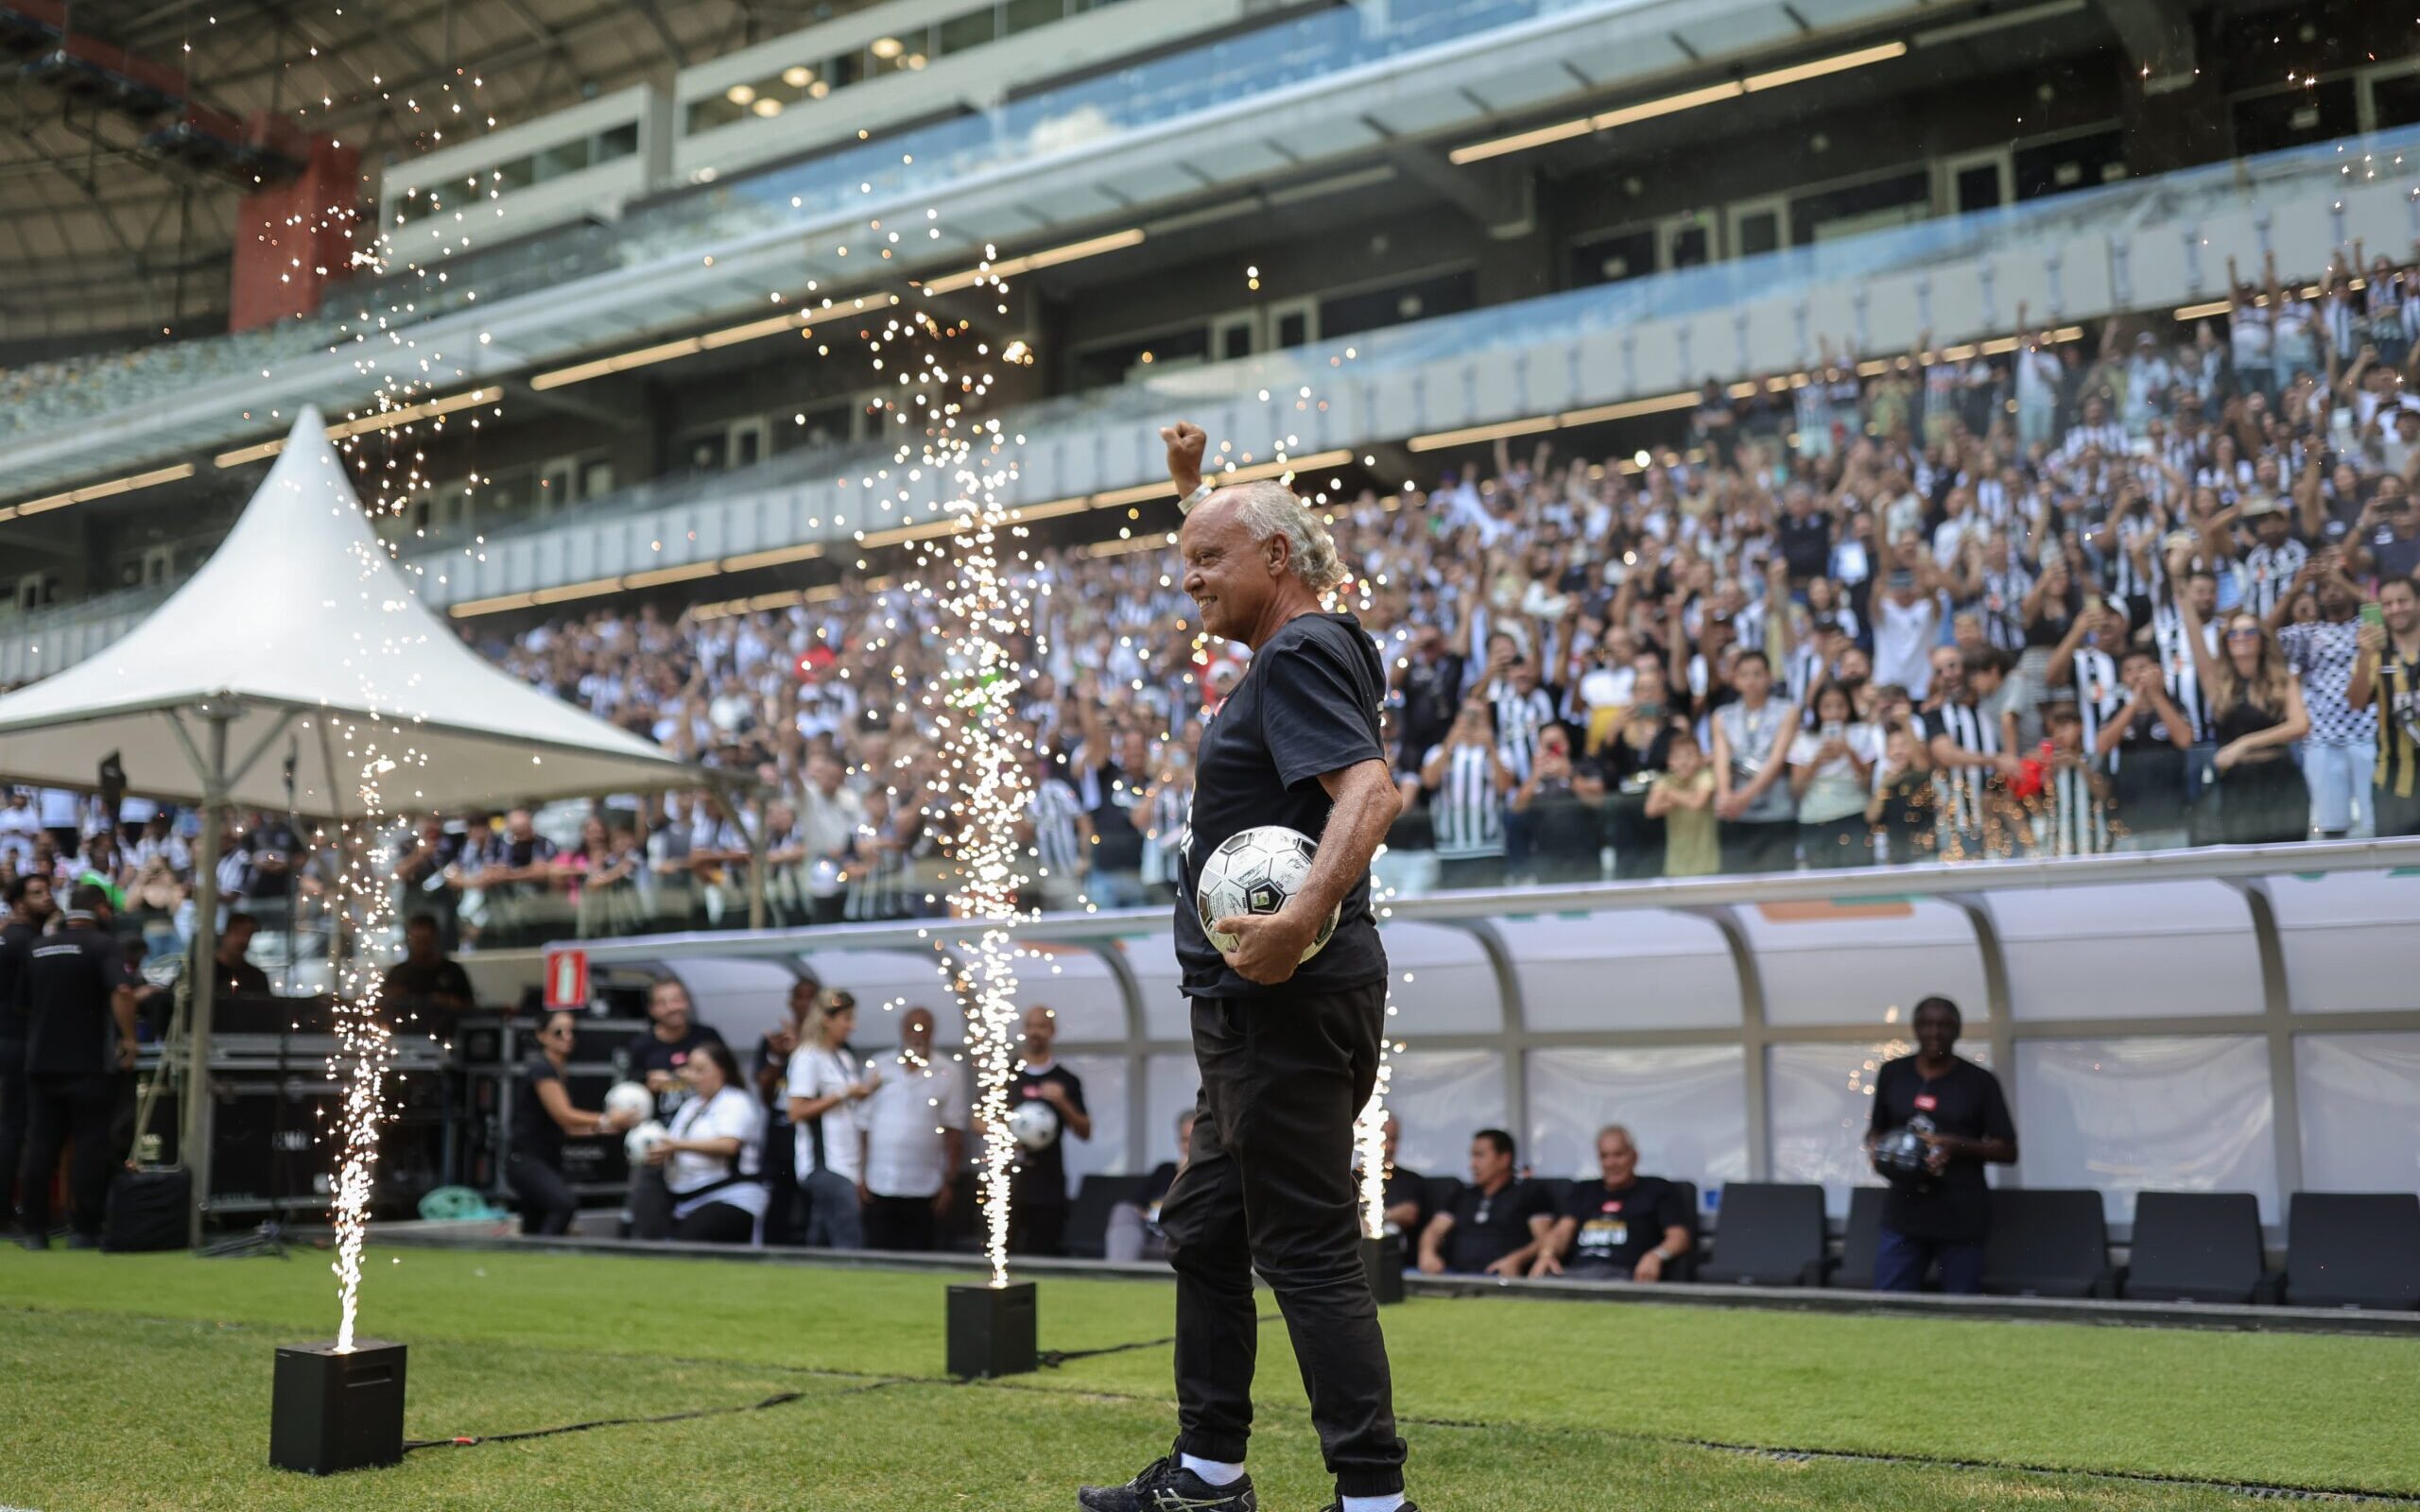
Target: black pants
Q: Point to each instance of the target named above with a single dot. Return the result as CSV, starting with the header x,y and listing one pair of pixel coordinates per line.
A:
x,y
899,1223
782,1226
1270,1188
1035,1228
717,1223
61,1109
12,1124
547,1203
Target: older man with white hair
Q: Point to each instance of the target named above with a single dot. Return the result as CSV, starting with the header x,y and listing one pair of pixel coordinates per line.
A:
x,y
1288,1047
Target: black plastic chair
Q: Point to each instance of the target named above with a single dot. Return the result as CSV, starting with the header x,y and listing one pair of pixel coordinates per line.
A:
x,y
1771,1234
1685,1268
1860,1240
2353,1249
1087,1232
2048,1243
2196,1246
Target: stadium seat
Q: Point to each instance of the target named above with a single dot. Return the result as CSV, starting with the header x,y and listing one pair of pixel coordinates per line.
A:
x,y
1087,1233
2355,1249
1771,1234
2196,1246
1861,1237
2048,1243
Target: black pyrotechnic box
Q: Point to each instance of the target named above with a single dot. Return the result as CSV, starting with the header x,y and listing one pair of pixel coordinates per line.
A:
x,y
1382,1262
992,1330
331,1411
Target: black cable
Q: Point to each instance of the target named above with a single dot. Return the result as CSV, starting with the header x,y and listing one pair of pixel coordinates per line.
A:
x,y
776,1399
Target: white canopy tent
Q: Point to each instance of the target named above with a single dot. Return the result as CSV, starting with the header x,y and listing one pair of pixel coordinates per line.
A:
x,y
301,631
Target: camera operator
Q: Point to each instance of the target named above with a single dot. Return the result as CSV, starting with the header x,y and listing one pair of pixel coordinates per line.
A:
x,y
1941,1215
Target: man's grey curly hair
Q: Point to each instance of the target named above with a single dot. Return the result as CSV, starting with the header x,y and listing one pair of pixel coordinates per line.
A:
x,y
1268,508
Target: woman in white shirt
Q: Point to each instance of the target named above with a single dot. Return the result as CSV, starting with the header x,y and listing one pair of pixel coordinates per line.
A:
x,y
828,1083
1831,772
713,1156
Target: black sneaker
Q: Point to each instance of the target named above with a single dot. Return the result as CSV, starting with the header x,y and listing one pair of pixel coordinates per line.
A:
x,y
1338,1506
1166,1485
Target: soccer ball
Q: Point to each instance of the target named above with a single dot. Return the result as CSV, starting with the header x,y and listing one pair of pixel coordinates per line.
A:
x,y
646,1137
1255,871
1034,1123
629,1099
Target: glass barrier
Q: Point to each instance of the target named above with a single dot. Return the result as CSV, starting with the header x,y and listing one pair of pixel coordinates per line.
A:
x,y
1617,836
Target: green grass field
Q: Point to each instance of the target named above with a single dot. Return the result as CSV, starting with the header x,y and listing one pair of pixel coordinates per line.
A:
x,y
143,1381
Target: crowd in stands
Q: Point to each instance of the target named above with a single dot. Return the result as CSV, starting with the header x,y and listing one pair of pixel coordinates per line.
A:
x,y
2144,587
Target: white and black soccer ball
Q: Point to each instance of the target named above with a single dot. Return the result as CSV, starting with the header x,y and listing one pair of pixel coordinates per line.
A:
x,y
631,1100
1034,1125
1256,872
636,1144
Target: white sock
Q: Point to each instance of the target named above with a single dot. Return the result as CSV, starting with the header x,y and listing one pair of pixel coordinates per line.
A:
x,y
1217,1472
1374,1504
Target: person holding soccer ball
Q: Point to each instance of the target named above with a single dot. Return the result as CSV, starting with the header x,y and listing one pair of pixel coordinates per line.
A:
x,y
1288,1047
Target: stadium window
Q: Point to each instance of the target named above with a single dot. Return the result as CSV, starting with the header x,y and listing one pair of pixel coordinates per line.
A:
x,y
1417,299
2291,117
1612,257
711,111
620,142
846,70
1896,199
518,173
596,478
2393,98
562,159
973,30
1235,339
1114,362
1023,15
2073,162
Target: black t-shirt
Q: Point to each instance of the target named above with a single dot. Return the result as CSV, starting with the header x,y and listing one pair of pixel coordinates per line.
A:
x,y
1308,706
1965,1101
407,981
1156,1186
1806,544
1117,845
652,1054
2149,784
1431,692
1617,1228
273,837
1039,1177
1489,1226
16,941
70,979
1404,1184
535,1133
241,976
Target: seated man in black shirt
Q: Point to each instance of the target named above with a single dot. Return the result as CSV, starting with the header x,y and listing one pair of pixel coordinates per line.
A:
x,y
1943,1217
426,976
1623,1227
1498,1223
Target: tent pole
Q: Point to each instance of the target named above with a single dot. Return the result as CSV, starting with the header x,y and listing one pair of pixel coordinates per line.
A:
x,y
193,1145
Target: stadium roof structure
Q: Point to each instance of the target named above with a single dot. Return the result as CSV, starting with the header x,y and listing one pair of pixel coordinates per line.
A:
x,y
303,630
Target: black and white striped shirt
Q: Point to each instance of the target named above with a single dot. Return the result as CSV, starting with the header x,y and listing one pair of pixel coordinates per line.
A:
x,y
2098,696
1972,727
2077,818
1053,810
2178,668
1467,810
2002,607
1519,716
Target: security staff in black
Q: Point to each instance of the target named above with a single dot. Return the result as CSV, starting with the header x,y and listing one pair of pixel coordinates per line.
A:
x,y
29,910
1957,1107
1288,1047
83,1029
